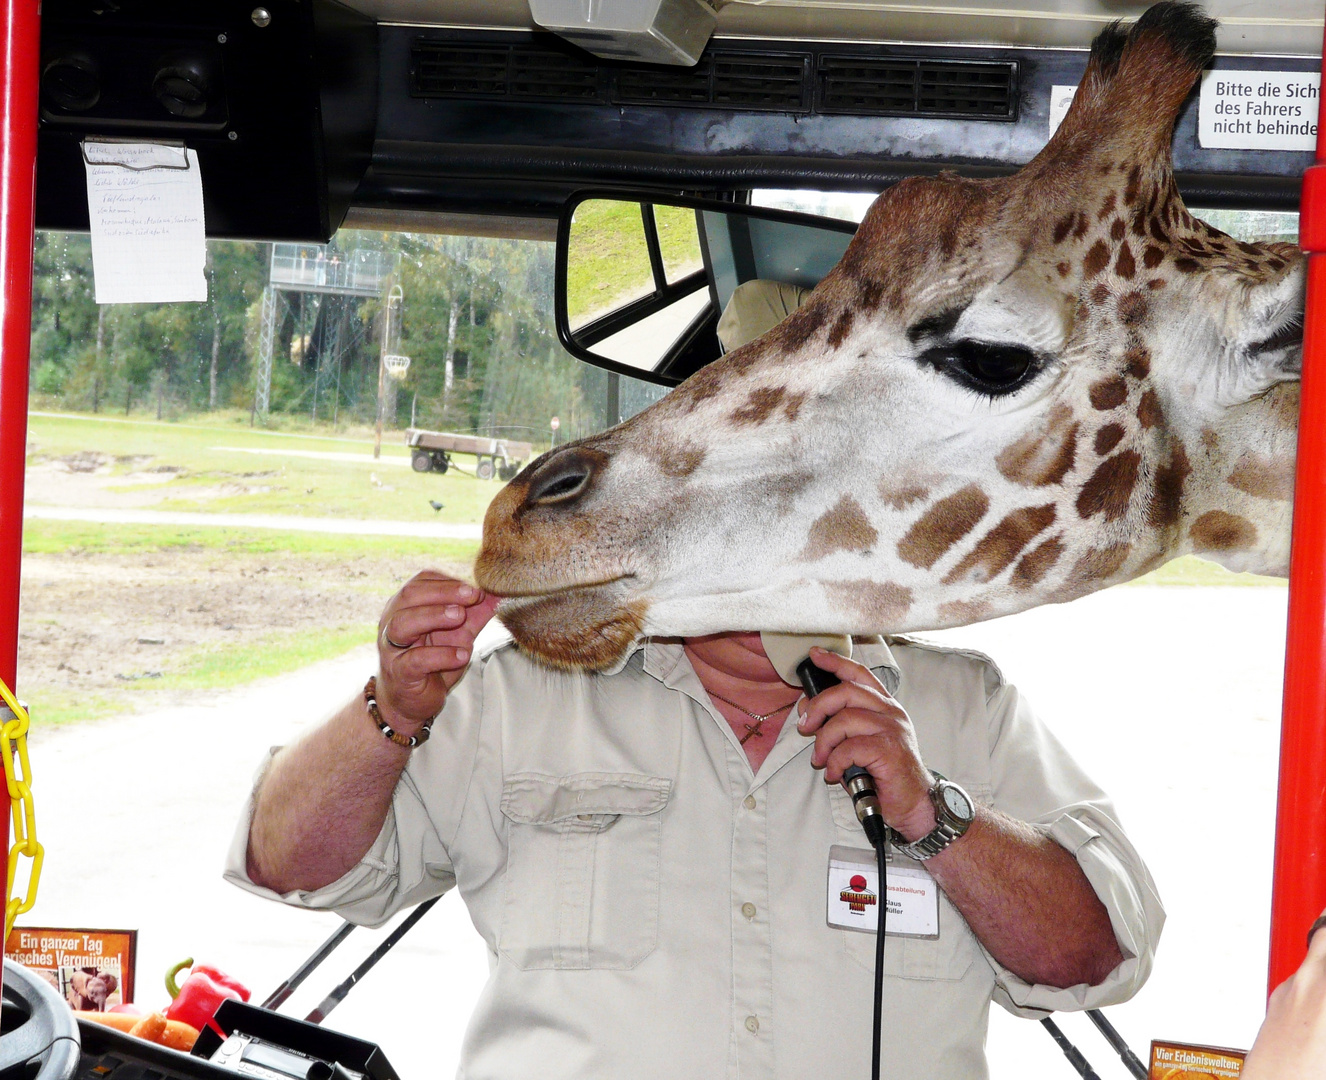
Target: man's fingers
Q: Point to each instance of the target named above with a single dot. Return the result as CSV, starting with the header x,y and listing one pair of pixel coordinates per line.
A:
x,y
419,663
845,695
848,724
429,588
864,750
846,669
408,625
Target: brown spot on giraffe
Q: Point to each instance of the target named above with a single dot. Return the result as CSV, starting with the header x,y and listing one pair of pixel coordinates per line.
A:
x,y
1133,308
792,405
1107,438
1097,258
1117,230
1110,487
1063,227
1149,411
961,612
1137,361
942,526
997,549
1162,511
799,327
1108,393
1063,269
1264,477
1186,265
1210,439
1131,188
1124,265
870,294
1152,257
1100,294
878,603
899,498
841,327
1107,208
678,462
845,527
759,406
1219,530
1036,563
1080,230
1100,564
1037,459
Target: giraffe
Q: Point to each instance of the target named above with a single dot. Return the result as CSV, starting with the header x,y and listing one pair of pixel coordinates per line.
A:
x,y
1009,392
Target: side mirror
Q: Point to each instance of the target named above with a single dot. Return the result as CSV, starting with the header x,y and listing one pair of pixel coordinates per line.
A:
x,y
643,279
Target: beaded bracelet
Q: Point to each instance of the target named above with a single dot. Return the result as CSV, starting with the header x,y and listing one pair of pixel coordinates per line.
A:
x,y
407,741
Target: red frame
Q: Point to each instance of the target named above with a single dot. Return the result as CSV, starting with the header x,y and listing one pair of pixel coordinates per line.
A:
x,y
1299,887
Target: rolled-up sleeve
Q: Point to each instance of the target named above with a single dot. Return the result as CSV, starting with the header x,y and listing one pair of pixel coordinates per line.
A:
x,y
1035,780
410,860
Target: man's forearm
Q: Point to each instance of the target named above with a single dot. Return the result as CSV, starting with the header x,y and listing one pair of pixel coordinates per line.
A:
x,y
1028,901
322,803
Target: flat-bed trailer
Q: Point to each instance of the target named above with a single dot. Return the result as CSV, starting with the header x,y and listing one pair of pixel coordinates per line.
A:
x,y
430,451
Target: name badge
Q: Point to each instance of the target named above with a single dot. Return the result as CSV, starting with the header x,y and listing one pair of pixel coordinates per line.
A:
x,y
853,899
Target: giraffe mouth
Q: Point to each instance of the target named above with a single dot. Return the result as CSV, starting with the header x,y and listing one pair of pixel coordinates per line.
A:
x,y
579,627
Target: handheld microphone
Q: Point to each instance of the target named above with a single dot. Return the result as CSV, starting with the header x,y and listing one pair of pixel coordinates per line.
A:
x,y
790,656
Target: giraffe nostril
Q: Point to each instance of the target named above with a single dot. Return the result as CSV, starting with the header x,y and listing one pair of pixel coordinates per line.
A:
x,y
562,478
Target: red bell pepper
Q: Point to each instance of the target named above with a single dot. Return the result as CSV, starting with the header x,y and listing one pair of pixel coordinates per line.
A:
x,y
201,994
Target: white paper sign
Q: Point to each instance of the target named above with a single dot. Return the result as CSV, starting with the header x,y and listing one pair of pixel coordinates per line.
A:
x,y
1258,110
853,900
1060,98
145,202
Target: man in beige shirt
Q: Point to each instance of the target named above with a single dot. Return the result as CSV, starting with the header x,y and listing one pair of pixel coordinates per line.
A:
x,y
648,863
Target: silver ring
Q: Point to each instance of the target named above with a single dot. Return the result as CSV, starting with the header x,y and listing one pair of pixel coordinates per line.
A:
x,y
386,640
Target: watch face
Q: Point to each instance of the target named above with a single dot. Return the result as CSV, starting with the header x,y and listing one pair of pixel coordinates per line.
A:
x,y
955,799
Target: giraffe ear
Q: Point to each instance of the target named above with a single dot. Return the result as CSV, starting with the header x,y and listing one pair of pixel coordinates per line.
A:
x,y
1136,81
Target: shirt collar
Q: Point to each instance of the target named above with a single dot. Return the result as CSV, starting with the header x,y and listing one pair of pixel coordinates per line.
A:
x,y
662,655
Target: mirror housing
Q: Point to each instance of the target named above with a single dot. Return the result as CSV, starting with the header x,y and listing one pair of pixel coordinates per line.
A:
x,y
642,278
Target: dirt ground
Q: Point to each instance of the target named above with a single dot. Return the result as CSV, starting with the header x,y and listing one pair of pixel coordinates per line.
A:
x,y
103,627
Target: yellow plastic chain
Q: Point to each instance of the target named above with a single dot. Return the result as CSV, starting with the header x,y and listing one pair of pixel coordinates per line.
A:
x,y
14,742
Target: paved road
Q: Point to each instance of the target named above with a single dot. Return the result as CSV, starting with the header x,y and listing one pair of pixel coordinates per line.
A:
x,y
321,455
285,523
1169,696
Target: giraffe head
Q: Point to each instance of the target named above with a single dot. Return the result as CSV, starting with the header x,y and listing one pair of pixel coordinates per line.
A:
x,y
1009,392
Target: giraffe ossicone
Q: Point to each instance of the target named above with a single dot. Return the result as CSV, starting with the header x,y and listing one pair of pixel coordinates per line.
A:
x,y
1009,392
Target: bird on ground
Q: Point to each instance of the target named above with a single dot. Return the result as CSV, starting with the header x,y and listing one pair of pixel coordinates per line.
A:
x,y
435,504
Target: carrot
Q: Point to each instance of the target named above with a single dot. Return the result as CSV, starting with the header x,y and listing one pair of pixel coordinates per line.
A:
x,y
179,1036
150,1027
119,1021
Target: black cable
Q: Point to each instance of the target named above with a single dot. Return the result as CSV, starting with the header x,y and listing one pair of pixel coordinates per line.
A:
x,y
881,858
279,996
1130,1060
1071,1052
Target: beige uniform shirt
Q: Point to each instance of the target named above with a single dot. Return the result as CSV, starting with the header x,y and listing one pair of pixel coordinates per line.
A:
x,y
653,909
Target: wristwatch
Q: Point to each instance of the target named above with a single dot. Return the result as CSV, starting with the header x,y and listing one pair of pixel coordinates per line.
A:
x,y
954,813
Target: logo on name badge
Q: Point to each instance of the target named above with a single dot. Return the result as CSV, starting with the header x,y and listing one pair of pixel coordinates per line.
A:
x,y
856,896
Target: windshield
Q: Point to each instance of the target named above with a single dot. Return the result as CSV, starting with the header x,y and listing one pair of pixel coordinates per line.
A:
x,y
214,522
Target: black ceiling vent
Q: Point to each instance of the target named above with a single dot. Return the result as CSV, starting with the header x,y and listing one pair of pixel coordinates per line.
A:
x,y
765,82
878,86
443,69
513,72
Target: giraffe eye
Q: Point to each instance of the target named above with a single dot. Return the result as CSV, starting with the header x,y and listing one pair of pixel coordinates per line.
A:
x,y
985,367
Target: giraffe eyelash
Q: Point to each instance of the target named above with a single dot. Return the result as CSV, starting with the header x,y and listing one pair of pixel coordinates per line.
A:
x,y
991,369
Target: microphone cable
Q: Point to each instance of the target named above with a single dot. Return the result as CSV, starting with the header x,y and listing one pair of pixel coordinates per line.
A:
x,y
860,786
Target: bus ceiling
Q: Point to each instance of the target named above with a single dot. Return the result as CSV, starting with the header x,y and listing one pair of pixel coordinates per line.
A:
x,y
466,116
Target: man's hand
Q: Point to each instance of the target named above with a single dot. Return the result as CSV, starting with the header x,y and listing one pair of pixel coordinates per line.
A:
x,y
859,723
425,638
1292,1042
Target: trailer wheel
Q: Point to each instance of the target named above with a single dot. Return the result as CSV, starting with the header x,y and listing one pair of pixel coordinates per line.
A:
x,y
421,462
507,470
441,463
484,470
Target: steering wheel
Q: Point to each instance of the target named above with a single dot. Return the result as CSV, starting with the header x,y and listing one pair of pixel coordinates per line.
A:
x,y
37,1029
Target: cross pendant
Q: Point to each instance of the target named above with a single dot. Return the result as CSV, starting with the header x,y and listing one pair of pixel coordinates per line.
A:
x,y
753,729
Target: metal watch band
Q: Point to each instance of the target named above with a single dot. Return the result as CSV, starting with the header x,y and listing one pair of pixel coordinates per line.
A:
x,y
941,835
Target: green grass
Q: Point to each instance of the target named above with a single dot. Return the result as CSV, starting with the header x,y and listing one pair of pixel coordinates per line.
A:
x,y
294,485
51,708
46,537
1190,570
608,262
221,667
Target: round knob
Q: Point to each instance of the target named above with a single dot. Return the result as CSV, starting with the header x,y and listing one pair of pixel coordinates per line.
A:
x,y
182,88
71,83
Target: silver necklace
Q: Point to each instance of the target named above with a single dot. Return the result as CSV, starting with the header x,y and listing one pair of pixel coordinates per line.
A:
x,y
751,729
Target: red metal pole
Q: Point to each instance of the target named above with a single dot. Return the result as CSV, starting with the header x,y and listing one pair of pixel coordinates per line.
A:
x,y
20,50
1299,886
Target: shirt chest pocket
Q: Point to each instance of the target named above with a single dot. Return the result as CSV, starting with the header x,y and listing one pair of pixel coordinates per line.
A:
x,y
947,957
582,880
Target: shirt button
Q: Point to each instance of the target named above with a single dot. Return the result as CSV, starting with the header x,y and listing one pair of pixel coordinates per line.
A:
x,y
748,802
752,1024
748,910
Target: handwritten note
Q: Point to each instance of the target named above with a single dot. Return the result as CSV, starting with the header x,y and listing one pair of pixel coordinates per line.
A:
x,y
145,202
